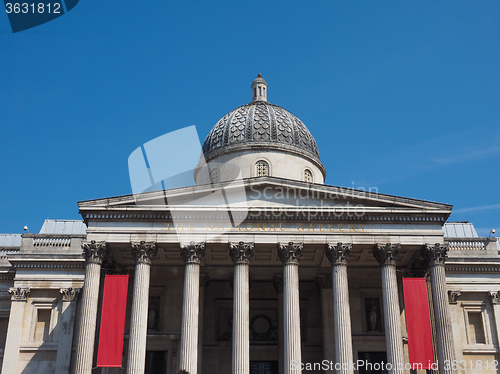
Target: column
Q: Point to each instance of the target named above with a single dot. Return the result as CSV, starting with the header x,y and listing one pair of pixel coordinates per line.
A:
x,y
143,253
14,331
455,317
290,254
204,280
68,311
436,256
192,254
325,285
278,287
386,255
240,254
338,254
94,253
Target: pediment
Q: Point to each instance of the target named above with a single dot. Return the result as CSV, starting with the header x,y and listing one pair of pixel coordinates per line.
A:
x,y
276,195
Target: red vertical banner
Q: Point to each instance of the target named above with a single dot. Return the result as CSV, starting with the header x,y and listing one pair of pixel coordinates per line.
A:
x,y
418,322
114,306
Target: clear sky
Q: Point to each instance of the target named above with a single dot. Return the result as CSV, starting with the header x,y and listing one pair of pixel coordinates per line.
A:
x,y
402,96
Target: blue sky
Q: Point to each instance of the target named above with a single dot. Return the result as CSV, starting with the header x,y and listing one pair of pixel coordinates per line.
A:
x,y
401,96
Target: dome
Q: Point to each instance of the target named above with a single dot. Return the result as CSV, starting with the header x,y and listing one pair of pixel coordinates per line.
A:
x,y
261,126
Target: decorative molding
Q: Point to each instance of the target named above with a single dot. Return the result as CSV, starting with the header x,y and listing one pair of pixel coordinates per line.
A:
x,y
290,253
453,296
324,281
19,294
70,294
94,252
192,253
477,268
338,254
143,252
278,283
386,254
241,252
495,297
435,254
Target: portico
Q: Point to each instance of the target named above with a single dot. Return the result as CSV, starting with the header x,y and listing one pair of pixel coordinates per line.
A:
x,y
245,321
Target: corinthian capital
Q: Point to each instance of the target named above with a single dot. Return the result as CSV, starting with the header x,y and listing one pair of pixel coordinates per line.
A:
x,y
144,252
192,253
339,253
241,252
70,294
495,297
95,252
19,294
386,254
290,253
435,254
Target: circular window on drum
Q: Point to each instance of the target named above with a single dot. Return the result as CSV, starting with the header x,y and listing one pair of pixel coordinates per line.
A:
x,y
308,177
261,169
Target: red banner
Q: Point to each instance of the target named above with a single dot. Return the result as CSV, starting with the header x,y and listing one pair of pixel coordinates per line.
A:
x,y
418,322
114,305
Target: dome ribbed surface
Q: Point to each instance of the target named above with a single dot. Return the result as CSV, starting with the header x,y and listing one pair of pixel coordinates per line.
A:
x,y
260,124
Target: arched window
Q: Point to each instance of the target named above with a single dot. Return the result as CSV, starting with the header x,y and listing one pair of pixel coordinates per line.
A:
x,y
308,177
214,176
262,169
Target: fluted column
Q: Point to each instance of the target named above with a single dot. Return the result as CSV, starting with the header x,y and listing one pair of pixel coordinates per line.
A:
x,y
240,254
325,286
143,253
386,256
14,331
192,254
204,280
278,286
338,254
436,256
94,253
290,254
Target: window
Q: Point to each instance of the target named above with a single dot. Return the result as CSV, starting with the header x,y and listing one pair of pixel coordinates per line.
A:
x,y
477,327
476,331
308,177
42,325
262,169
214,176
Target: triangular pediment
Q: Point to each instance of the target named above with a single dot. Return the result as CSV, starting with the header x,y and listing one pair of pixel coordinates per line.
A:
x,y
272,194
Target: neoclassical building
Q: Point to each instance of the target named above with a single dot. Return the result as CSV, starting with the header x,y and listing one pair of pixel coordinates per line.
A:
x,y
277,272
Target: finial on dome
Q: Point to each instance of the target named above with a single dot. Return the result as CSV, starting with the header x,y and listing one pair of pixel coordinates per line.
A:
x,y
259,89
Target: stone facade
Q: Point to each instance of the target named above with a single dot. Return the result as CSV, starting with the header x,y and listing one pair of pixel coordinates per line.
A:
x,y
313,273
